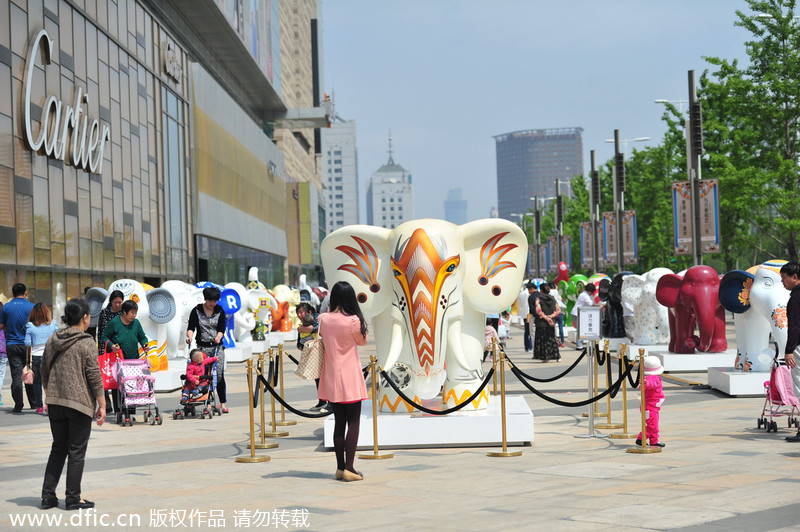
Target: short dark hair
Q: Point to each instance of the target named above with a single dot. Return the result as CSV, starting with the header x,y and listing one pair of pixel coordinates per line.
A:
x,y
791,269
305,305
74,311
129,305
116,294
18,289
590,287
211,293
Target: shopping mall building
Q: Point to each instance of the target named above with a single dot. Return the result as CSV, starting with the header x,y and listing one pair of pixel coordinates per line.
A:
x,y
158,139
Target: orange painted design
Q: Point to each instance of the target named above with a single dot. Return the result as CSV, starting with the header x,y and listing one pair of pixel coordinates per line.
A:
x,y
421,272
779,318
392,407
365,262
491,255
135,298
744,295
476,403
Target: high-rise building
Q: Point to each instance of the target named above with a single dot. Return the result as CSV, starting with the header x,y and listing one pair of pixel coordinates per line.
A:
x,y
390,195
529,162
455,207
340,173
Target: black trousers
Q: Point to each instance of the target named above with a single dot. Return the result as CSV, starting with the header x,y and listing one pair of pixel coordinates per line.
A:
x,y
346,416
71,430
526,337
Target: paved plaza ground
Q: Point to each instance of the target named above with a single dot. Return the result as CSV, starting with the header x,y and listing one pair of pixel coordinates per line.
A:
x,y
717,471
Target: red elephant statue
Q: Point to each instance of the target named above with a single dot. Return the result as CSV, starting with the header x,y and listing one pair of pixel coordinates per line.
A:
x,y
693,299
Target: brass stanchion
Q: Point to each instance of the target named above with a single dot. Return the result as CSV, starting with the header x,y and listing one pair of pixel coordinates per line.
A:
x,y
263,444
373,362
645,448
273,433
283,422
505,451
595,406
252,458
623,353
608,424
494,366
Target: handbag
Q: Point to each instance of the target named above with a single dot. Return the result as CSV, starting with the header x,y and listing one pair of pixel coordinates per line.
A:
x,y
310,365
27,374
108,365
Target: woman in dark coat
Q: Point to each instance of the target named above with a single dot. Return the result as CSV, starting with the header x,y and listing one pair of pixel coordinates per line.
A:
x,y
545,345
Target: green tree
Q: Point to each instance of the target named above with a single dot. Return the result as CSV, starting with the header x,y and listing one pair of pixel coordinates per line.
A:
x,y
754,113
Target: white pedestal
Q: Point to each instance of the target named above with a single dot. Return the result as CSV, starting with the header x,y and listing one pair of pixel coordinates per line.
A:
x,y
482,427
694,361
290,336
260,346
570,333
613,343
240,353
737,383
633,349
170,379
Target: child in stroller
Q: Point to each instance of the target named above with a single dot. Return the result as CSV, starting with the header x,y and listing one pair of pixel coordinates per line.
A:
x,y
199,385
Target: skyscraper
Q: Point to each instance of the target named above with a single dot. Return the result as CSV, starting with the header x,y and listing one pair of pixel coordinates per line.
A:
x,y
340,173
455,207
390,196
529,162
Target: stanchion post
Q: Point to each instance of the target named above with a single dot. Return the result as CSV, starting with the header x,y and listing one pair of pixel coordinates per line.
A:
x,y
623,354
645,448
594,385
274,433
494,367
252,458
608,424
263,444
283,422
373,362
505,452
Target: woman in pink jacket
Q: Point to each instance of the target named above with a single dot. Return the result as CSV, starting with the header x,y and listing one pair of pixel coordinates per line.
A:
x,y
341,382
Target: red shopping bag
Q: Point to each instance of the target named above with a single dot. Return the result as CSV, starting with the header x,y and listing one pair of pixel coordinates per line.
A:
x,y
108,366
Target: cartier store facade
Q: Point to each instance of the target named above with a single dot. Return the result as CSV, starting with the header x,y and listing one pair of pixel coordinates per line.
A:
x,y
122,155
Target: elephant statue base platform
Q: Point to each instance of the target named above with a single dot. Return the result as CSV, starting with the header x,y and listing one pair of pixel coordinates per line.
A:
x,y
700,361
169,380
240,353
738,383
420,430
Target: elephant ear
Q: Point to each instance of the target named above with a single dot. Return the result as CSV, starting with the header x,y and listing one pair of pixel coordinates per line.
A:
x,y
562,288
632,288
162,305
495,255
734,291
360,255
668,289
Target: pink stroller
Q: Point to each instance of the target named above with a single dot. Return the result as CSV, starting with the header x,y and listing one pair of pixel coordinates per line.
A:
x,y
136,388
780,400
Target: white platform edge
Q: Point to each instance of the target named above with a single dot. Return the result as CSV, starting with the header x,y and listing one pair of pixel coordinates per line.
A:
x,y
240,353
694,361
738,383
482,427
170,380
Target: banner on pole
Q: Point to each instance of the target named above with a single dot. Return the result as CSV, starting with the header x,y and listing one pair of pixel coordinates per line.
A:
x,y
682,217
587,259
566,251
709,215
609,242
630,243
683,229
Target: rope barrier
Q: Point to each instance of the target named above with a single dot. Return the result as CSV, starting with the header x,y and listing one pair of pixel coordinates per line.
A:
x,y
421,408
613,388
289,407
551,379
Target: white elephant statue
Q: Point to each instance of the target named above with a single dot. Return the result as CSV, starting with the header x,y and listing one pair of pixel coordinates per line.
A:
x,y
428,285
286,294
303,285
186,296
650,323
758,300
244,320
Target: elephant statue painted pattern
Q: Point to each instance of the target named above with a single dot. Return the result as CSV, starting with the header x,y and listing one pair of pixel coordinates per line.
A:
x,y
650,322
570,290
693,299
428,285
758,301
613,312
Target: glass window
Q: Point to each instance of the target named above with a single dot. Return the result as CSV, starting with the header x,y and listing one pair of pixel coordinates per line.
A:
x,y
174,183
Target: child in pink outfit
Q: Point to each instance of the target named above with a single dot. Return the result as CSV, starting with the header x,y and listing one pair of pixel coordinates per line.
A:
x,y
488,334
653,399
195,369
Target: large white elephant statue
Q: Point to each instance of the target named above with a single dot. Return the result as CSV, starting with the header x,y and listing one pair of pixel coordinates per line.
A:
x,y
428,285
758,300
650,323
186,296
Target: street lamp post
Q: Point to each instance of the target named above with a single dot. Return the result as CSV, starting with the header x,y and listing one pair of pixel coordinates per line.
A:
x,y
679,101
624,142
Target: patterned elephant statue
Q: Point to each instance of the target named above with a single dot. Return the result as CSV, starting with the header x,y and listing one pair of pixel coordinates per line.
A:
x,y
693,299
570,290
428,285
650,321
758,300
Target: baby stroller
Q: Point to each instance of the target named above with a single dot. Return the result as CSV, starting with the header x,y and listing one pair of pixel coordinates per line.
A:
x,y
207,400
136,388
780,400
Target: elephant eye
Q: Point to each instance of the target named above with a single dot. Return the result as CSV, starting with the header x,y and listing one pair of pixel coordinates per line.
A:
x,y
451,268
397,273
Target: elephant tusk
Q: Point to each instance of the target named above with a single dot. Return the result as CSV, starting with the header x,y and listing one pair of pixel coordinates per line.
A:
x,y
454,339
395,346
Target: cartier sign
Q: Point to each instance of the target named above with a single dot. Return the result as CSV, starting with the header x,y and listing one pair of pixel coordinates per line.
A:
x,y
66,131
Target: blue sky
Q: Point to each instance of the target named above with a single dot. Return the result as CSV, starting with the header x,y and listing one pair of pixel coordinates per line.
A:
x,y
445,76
